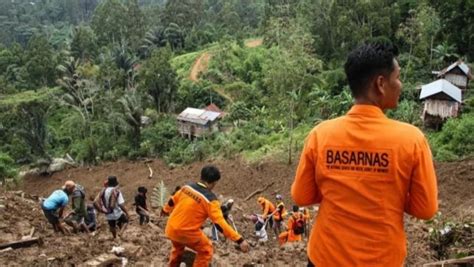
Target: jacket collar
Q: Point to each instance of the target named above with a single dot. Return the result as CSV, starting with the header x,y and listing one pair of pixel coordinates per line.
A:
x,y
366,111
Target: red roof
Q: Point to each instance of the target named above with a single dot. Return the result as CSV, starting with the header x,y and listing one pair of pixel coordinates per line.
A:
x,y
214,108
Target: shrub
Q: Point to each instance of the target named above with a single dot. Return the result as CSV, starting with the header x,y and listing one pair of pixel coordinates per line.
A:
x,y
455,140
7,169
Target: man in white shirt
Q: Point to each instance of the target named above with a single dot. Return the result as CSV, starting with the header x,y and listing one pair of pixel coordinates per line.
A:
x,y
118,215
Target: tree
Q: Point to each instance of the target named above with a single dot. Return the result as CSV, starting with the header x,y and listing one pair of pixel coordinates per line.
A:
x,y
135,24
160,79
444,53
291,72
79,94
33,129
132,111
83,43
41,62
109,22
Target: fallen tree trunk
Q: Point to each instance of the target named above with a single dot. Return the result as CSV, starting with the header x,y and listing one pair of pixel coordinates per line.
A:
x,y
22,243
258,191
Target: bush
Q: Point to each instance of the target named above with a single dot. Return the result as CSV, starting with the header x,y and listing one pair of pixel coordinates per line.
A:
x,y
407,111
7,168
455,140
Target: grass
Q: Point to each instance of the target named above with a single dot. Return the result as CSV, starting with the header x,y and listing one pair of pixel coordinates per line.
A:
x,y
28,96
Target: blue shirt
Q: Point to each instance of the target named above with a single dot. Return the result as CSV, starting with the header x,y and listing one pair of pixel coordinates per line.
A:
x,y
56,200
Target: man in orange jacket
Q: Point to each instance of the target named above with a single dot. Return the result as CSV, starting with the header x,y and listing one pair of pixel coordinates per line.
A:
x,y
365,170
295,228
280,214
189,207
268,209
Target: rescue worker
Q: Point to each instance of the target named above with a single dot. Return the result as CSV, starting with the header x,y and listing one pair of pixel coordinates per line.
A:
x,y
365,170
268,210
280,214
295,228
53,206
188,209
307,220
76,219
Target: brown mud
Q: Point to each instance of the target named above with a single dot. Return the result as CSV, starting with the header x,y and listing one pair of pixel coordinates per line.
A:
x,y
146,245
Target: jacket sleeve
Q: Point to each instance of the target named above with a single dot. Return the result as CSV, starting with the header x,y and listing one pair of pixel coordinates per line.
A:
x,y
169,206
422,198
216,216
304,190
266,209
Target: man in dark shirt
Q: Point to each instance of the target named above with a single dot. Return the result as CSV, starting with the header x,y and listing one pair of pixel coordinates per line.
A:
x,y
140,203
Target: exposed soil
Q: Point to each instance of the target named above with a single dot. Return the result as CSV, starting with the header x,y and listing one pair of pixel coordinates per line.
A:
x,y
200,65
147,245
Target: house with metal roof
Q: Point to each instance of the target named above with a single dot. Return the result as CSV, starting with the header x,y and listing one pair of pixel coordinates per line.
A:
x,y
193,122
442,100
457,73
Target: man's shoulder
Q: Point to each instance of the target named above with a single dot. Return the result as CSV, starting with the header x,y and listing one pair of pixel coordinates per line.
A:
x,y
405,129
326,125
204,192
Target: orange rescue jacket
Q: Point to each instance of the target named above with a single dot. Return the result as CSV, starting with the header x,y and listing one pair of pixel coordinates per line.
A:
x,y
365,170
267,207
189,208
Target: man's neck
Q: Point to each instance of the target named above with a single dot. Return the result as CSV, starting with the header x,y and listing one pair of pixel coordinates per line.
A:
x,y
367,101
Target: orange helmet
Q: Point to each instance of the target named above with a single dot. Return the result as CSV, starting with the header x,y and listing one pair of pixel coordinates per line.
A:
x,y
260,200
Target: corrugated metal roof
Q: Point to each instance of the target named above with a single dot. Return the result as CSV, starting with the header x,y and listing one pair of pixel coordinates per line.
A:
x,y
462,66
441,86
198,116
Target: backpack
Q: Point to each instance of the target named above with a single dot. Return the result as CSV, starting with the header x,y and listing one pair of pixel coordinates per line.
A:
x,y
298,226
100,203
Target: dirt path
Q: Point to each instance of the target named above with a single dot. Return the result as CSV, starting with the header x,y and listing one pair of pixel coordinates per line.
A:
x,y
202,62
200,65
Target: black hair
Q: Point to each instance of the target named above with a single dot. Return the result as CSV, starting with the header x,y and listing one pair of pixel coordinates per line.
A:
x,y
176,189
210,174
142,189
367,61
295,208
112,181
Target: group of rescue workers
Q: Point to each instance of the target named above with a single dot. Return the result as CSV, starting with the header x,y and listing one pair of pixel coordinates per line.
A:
x,y
362,169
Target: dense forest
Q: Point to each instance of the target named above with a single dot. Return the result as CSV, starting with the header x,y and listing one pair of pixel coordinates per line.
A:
x,y
77,77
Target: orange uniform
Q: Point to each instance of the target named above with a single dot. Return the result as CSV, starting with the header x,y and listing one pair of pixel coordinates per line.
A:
x,y
267,207
290,235
281,211
366,171
189,208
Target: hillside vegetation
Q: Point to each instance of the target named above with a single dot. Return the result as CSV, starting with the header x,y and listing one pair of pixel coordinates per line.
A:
x,y
79,83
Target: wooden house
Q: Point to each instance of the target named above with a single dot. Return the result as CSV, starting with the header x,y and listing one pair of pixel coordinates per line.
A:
x,y
442,100
457,73
194,122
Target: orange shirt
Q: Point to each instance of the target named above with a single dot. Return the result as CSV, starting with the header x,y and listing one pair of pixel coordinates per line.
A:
x,y
291,225
268,208
366,171
189,208
281,213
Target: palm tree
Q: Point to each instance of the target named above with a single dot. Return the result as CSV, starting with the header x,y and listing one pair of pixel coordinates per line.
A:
x,y
444,53
132,113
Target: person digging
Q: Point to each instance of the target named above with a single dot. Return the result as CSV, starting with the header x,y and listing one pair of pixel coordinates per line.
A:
x,y
188,209
53,206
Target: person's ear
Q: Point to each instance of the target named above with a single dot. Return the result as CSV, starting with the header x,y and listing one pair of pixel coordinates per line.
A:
x,y
380,85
